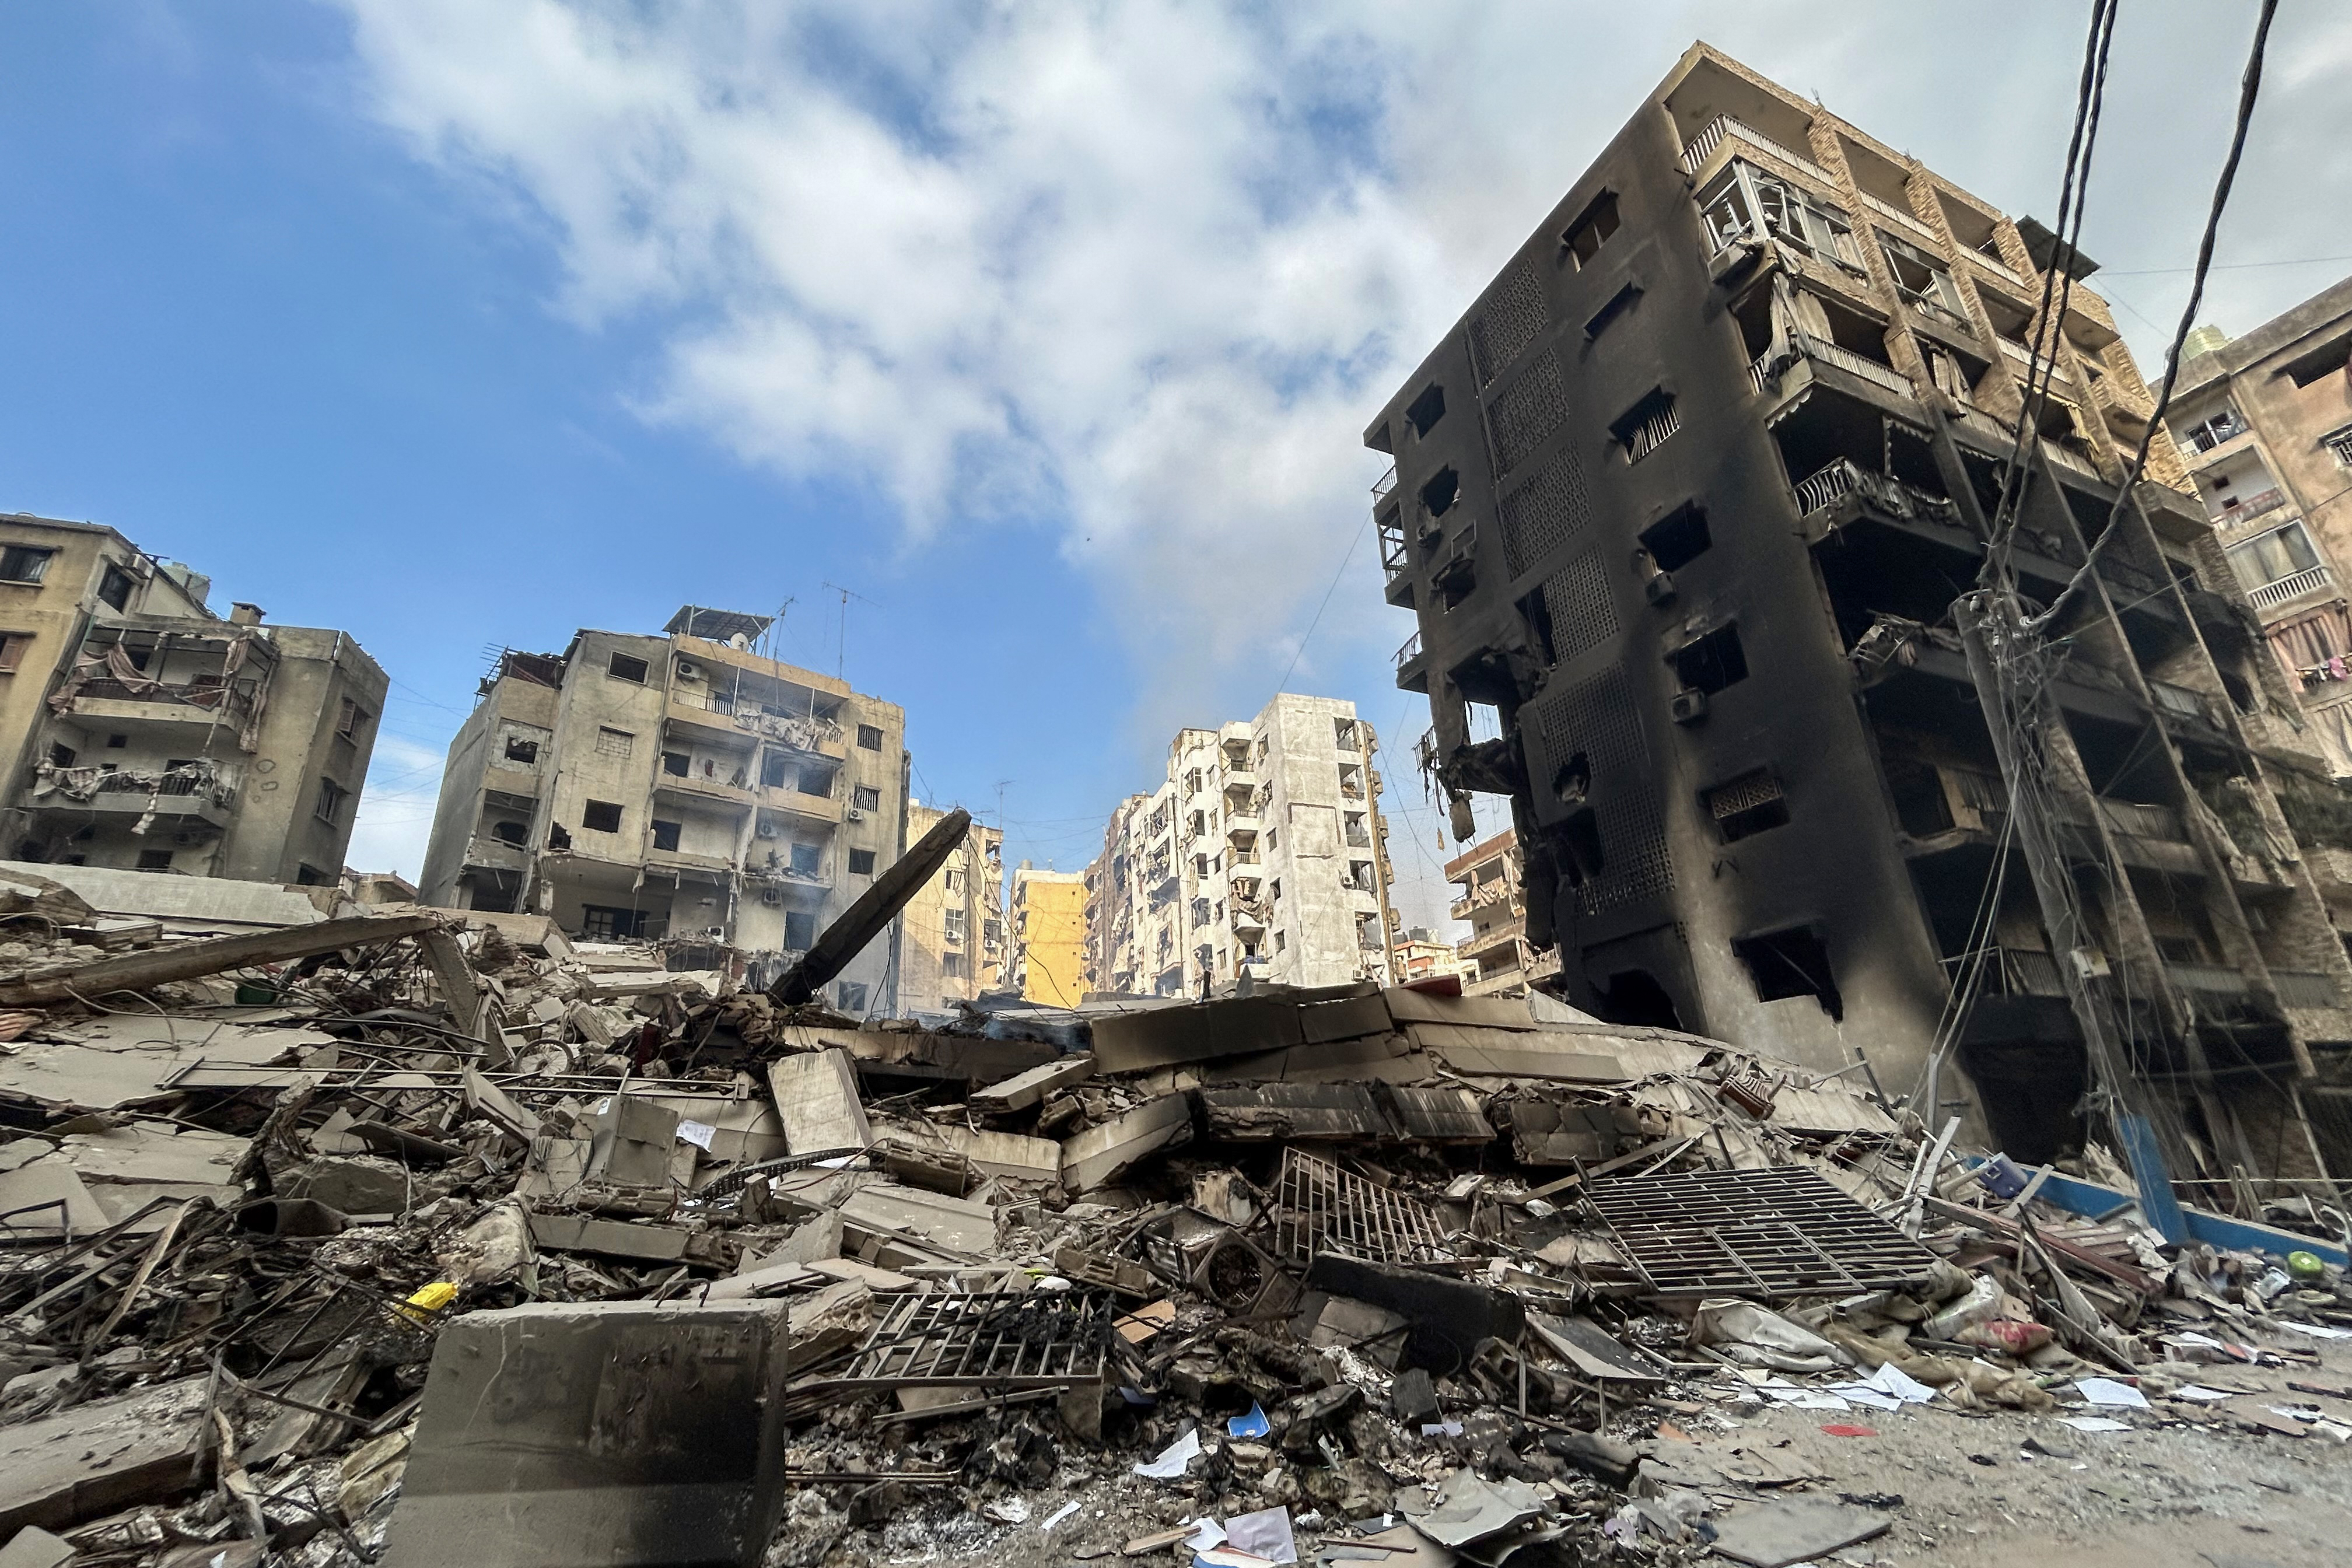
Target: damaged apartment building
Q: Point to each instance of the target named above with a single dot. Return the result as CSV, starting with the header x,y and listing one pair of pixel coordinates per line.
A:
x,y
952,947
2265,424
147,733
677,787
1688,498
1500,959
1264,854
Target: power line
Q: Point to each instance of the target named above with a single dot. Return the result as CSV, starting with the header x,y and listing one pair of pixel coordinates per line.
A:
x,y
2221,267
1353,540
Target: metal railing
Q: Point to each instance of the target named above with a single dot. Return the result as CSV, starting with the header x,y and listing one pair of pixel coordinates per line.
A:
x,y
1396,556
1383,485
2066,459
2178,700
2310,579
1410,651
1845,359
2305,988
1701,147
2211,979
1995,265
229,701
2009,972
2252,506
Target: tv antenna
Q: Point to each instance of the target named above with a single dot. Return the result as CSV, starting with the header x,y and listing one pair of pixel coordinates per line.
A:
x,y
841,647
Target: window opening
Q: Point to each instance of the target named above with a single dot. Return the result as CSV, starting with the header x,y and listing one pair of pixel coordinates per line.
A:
x,y
1746,804
603,923
114,588
869,737
1591,230
626,667
865,797
154,860
1792,962
600,817
1440,493
1712,662
612,743
1677,539
666,835
509,832
800,930
808,860
861,862
330,799
521,750
1427,409
1644,427
1618,304
24,564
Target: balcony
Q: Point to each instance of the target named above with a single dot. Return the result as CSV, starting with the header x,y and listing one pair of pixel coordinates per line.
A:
x,y
677,860
1244,826
820,808
1903,218
184,796
1763,373
2008,972
1998,268
1890,496
2066,459
715,714
207,702
1725,129
2253,507
701,791
1396,554
2309,580
1413,671
497,853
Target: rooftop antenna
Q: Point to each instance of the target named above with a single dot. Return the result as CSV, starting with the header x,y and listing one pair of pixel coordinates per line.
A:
x,y
841,647
772,636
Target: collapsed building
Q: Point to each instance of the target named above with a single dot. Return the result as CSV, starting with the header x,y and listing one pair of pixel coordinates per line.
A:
x,y
678,787
1503,962
2265,424
146,733
1264,854
1688,498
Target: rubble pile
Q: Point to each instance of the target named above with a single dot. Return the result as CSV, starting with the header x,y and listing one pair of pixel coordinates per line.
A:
x,y
431,1236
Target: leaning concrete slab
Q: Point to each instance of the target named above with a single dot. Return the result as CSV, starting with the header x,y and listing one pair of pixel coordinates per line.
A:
x,y
816,1096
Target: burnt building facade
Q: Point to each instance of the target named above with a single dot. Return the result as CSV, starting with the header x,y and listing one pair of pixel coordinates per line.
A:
x,y
1688,497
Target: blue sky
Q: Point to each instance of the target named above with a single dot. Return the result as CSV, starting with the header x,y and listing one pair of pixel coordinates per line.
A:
x,y
1047,330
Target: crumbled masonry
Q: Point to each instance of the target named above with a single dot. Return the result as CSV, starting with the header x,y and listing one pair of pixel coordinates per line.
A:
x,y
463,1242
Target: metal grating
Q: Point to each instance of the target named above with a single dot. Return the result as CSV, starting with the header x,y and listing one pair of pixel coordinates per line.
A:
x,y
1583,616
1597,717
1010,1340
1526,411
1516,314
1778,1232
1321,1208
1546,512
1751,789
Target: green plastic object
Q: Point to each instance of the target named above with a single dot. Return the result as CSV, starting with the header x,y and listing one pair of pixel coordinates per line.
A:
x,y
2306,1266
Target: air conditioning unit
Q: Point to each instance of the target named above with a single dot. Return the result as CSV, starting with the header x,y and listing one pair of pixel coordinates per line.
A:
x,y
767,830
855,815
1690,705
688,670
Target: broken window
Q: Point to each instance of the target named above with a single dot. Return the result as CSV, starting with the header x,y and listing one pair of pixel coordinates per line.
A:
x,y
865,797
521,750
331,800
2317,365
154,860
1344,731
808,860
509,832
114,588
1746,202
1712,662
626,667
869,737
305,875
600,817
861,862
1924,282
664,835
1591,230
11,650
62,755
612,743
604,922
954,881
1677,539
1792,962
116,742
813,781
1644,427
1438,496
2223,427
351,719
1746,804
800,930
850,994
24,564
775,770
1426,410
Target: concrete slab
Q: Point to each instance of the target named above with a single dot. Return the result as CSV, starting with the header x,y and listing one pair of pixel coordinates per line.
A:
x,y
181,903
817,1101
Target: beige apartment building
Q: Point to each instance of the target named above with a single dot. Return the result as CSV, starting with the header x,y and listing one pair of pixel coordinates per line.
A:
x,y
1263,853
2265,424
1502,962
1419,955
678,787
953,948
145,733
1050,961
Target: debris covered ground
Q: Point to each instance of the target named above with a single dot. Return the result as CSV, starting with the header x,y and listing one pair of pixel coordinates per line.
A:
x,y
431,1236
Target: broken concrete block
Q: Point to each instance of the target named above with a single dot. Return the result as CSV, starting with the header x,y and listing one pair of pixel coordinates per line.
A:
x,y
107,1455
1022,1090
356,1183
1099,1155
1413,1399
492,1246
817,1099
485,1100
36,1547
1596,1454
610,1238
632,1141
935,1219
609,1433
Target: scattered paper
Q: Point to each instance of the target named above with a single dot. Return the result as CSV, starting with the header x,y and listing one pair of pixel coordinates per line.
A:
x,y
1441,1428
1265,1533
698,1134
2107,1391
1892,1379
1210,1535
1171,1464
2095,1424
1060,1514
1870,1396
1008,1510
2317,1330
2202,1395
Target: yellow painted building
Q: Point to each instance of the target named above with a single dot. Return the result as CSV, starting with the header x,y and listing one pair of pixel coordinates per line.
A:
x,y
1049,936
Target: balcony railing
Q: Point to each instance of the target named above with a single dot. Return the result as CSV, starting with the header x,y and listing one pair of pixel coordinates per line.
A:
x,y
1844,478
231,703
2178,701
2252,506
1902,216
1410,651
1383,485
2310,579
1395,555
2066,459
1997,267
2211,979
1701,147
2010,972
1845,359
2142,821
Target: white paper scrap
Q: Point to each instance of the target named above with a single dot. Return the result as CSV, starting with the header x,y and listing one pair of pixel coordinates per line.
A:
x,y
1863,1393
2095,1424
1169,1466
1265,1533
1060,1514
2199,1393
698,1134
2317,1330
1892,1379
2107,1391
